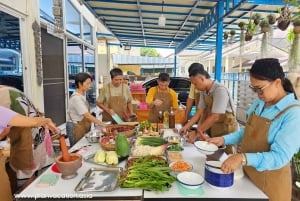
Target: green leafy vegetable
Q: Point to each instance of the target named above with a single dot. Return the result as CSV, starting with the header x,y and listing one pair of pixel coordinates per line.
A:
x,y
151,141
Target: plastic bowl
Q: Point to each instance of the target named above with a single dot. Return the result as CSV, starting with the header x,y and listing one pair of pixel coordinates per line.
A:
x,y
190,180
205,147
215,177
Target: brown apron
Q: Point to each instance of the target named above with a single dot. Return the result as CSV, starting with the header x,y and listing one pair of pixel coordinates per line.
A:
x,y
226,123
166,98
81,127
5,190
276,184
118,104
197,98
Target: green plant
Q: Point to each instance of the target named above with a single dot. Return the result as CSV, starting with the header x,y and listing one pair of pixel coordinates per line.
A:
x,y
264,25
251,27
296,166
271,18
241,25
232,32
256,18
225,35
290,35
296,21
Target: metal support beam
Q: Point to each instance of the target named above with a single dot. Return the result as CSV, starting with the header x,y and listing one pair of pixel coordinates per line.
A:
x,y
266,2
219,41
175,64
205,25
141,20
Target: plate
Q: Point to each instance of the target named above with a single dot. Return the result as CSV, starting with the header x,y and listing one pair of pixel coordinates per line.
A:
x,y
206,147
99,179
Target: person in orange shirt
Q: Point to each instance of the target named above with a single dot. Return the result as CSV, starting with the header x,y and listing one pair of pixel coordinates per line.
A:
x,y
161,97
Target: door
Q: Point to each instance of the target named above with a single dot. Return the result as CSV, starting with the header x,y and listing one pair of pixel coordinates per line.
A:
x,y
53,77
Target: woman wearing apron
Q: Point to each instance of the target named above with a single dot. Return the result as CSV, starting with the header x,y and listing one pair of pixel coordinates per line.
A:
x,y
161,97
11,120
215,106
271,136
115,98
79,118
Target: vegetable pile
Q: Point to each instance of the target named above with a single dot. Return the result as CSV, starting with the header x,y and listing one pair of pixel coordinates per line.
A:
x,y
149,173
151,141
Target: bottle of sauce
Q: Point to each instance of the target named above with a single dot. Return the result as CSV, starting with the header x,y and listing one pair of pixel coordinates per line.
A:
x,y
172,119
166,119
160,117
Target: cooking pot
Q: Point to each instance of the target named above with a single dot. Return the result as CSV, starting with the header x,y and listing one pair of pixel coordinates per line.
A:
x,y
216,177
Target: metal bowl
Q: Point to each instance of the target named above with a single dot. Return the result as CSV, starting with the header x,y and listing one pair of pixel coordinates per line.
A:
x,y
93,136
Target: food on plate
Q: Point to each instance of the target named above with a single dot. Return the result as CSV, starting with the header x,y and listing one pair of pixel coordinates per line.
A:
x,y
122,145
107,142
174,156
149,173
151,141
174,147
112,158
145,150
99,156
180,166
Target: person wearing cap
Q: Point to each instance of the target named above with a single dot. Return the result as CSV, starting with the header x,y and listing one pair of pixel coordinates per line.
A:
x,y
271,136
161,97
215,107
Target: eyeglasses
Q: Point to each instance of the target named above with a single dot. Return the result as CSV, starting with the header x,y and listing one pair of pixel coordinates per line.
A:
x,y
259,90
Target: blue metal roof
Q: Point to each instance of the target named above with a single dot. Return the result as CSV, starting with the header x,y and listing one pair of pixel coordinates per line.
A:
x,y
190,24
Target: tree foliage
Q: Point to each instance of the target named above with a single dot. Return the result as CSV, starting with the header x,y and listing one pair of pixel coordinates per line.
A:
x,y
149,52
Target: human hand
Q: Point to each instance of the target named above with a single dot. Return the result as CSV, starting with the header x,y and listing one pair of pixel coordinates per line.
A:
x,y
219,141
157,102
191,137
49,123
4,133
232,163
183,130
184,120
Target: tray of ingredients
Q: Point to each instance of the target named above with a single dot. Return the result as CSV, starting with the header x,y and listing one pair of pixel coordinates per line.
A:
x,y
105,158
99,179
148,173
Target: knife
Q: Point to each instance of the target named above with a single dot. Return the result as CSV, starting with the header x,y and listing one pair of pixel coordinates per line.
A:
x,y
117,118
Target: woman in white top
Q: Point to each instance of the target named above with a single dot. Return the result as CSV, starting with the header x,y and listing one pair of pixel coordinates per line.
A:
x,y
79,118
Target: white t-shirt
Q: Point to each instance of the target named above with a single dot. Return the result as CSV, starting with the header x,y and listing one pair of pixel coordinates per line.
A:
x,y
77,107
221,99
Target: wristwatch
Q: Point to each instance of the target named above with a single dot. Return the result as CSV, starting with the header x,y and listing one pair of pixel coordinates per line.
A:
x,y
244,159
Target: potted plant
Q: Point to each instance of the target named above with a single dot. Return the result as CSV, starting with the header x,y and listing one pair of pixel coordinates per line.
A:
x,y
241,25
296,167
283,21
296,23
264,25
250,30
271,19
256,18
232,33
226,35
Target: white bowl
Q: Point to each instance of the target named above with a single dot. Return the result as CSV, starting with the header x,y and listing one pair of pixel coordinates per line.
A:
x,y
205,147
190,180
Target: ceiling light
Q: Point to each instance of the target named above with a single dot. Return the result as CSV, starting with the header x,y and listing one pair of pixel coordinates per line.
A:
x,y
162,18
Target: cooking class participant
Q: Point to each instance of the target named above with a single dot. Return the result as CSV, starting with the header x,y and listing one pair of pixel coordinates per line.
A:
x,y
9,120
271,136
115,98
215,107
193,99
161,97
79,118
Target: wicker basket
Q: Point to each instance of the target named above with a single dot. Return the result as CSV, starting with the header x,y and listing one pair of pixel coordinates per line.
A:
x,y
128,130
107,146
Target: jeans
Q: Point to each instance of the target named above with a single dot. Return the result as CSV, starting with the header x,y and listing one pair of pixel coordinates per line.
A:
x,y
69,129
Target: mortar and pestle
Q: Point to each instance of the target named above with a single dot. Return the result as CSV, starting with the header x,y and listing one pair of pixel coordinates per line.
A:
x,y
67,163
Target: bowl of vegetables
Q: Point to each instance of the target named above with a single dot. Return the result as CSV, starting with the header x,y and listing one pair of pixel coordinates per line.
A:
x,y
174,147
180,166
